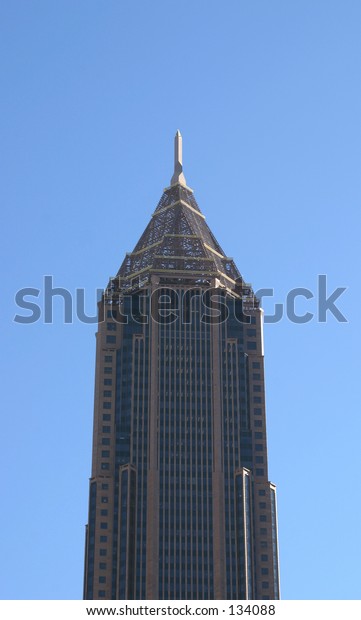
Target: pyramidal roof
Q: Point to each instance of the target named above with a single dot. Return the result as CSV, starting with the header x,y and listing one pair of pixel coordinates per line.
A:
x,y
177,243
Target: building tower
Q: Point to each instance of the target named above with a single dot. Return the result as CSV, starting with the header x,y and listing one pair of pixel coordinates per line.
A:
x,y
180,505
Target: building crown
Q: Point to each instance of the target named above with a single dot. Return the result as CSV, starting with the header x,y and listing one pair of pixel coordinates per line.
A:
x,y
177,244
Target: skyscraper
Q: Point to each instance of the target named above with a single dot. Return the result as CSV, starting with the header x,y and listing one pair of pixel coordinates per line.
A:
x,y
180,505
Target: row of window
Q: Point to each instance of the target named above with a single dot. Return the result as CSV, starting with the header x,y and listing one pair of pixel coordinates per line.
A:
x,y
251,345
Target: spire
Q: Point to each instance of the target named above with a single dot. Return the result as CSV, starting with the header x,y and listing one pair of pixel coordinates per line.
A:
x,y
178,176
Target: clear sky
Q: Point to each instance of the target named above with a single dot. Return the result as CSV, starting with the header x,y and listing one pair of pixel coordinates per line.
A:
x,y
267,95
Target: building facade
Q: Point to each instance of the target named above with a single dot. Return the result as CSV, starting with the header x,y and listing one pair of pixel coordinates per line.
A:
x,y
180,505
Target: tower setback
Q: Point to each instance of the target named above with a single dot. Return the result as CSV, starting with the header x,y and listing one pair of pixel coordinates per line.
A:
x,y
180,505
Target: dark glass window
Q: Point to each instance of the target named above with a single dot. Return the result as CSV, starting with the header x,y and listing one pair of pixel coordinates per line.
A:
x,y
111,340
256,365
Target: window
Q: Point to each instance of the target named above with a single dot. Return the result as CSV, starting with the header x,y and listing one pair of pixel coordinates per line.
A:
x,y
104,499
102,579
263,531
105,486
105,442
108,382
258,423
262,518
105,454
258,435
259,460
103,525
101,593
105,466
262,492
251,332
256,376
111,327
102,565
106,417
108,358
264,571
265,585
104,512
256,388
262,505
257,399
103,539
106,429
251,346
256,365
264,558
259,447
111,340
102,552
257,411
259,472
107,393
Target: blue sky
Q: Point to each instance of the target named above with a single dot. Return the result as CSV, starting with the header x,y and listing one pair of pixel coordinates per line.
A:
x,y
267,95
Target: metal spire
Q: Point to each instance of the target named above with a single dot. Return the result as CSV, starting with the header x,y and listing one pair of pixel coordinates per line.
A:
x,y
178,176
